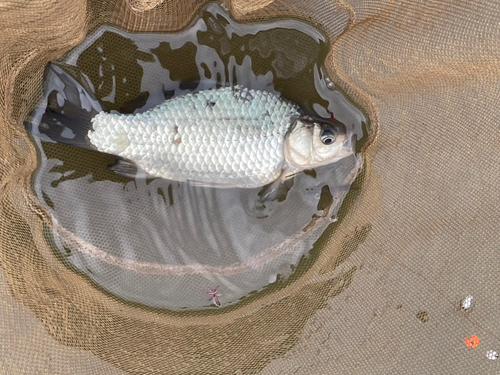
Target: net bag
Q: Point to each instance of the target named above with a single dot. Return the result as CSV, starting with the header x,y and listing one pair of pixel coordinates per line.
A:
x,y
383,287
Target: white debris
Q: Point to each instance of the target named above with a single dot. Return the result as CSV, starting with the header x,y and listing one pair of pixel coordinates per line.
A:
x,y
491,354
467,302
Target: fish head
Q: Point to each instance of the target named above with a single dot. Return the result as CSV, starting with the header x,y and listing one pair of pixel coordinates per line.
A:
x,y
312,142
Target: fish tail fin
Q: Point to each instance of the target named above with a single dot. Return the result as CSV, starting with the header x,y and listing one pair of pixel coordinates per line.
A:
x,y
66,112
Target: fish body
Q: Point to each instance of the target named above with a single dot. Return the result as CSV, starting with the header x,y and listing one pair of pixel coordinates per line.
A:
x,y
232,136
226,137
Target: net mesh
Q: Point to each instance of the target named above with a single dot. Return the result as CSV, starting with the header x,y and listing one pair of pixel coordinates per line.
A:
x,y
417,235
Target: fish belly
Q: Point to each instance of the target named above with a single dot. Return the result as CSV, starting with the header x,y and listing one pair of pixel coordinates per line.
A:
x,y
230,137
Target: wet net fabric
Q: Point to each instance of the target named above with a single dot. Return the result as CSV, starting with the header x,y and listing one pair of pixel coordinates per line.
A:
x,y
417,234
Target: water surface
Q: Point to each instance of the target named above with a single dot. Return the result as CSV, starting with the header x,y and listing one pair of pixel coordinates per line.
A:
x,y
160,243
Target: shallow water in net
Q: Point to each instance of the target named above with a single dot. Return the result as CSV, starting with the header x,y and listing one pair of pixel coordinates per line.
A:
x,y
161,243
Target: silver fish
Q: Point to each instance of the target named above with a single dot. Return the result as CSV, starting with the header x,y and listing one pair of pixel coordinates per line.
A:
x,y
226,137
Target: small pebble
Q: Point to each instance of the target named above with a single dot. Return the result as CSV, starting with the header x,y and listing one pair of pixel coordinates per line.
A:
x,y
491,354
328,79
330,84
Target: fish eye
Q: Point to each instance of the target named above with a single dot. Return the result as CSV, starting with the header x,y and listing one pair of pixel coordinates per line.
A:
x,y
327,136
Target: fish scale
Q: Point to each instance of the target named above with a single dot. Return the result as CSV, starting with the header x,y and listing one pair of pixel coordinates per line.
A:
x,y
229,137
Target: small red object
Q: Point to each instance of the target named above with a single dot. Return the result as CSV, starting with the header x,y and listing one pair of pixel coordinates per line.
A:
x,y
472,342
214,295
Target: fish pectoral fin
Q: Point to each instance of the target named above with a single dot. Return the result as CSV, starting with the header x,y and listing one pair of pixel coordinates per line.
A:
x,y
270,194
277,190
127,168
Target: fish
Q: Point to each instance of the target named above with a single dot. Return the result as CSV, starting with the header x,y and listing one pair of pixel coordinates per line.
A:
x,y
229,137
